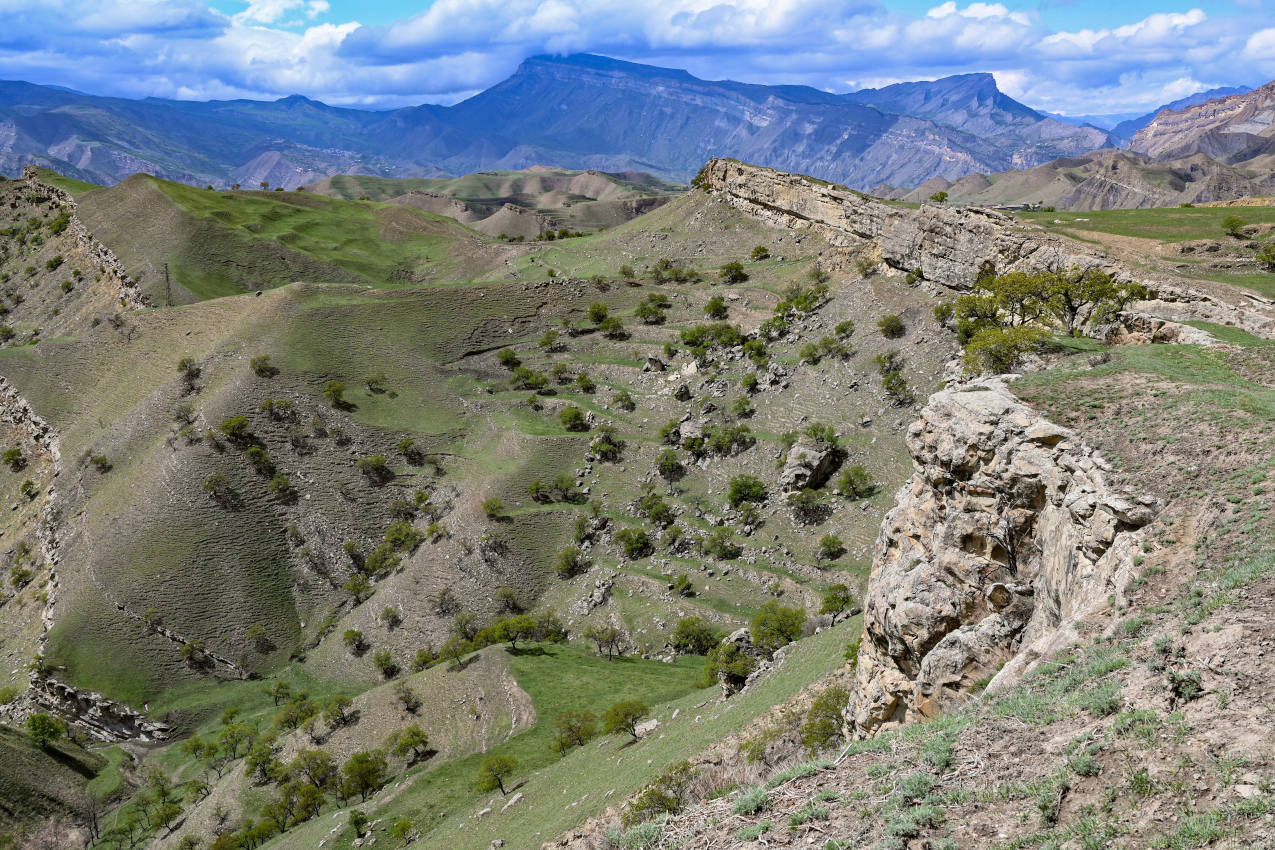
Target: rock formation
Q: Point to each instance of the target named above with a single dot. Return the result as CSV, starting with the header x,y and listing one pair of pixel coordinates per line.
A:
x,y
809,463
1006,532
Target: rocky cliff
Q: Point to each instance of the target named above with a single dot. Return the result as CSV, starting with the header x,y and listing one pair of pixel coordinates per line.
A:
x,y
1007,532
949,246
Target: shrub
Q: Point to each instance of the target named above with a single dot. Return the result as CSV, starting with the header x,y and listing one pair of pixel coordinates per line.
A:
x,y
776,626
760,252
1232,224
573,418
634,543
570,562
375,468
385,664
623,400
597,312
694,636
745,488
669,465
751,802
997,350
716,307
493,507
262,367
822,727
507,358
733,273
682,586
726,661
855,482
891,326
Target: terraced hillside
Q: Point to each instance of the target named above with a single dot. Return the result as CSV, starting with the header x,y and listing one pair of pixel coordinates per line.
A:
x,y
349,560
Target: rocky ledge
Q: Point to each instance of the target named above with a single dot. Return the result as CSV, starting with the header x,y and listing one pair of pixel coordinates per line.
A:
x,y
1006,533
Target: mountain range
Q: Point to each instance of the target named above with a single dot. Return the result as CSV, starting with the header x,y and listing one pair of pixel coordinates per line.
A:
x,y
580,111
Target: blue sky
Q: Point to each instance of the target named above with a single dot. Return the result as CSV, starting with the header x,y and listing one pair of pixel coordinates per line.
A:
x,y
1072,56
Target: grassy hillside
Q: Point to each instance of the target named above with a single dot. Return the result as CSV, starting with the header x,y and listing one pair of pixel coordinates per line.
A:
x,y
181,550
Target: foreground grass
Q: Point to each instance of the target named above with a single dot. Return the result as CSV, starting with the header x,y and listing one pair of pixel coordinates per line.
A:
x,y
560,792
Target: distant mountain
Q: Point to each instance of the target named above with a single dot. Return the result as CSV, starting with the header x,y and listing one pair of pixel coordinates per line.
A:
x,y
1235,130
1128,129
581,112
1104,179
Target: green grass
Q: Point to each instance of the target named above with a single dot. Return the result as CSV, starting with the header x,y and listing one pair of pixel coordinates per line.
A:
x,y
1170,224
38,783
1230,335
70,184
595,776
360,239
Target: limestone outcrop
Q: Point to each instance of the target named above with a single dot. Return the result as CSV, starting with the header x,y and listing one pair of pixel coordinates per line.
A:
x,y
1006,533
102,718
808,464
950,245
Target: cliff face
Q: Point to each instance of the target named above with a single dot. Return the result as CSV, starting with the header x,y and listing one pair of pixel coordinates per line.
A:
x,y
948,245
1006,533
1230,129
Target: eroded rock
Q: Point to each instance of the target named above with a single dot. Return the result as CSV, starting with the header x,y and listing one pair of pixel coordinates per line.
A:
x,y
1006,533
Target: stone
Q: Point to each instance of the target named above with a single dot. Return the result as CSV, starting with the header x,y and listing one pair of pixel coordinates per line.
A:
x,y
808,464
513,801
1006,534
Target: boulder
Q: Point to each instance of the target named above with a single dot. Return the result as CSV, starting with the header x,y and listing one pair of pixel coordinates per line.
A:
x,y
809,463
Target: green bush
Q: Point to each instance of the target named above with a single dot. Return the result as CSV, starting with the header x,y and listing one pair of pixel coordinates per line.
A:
x,y
776,626
751,802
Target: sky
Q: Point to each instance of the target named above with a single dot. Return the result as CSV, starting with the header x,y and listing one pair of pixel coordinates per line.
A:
x,y
1076,57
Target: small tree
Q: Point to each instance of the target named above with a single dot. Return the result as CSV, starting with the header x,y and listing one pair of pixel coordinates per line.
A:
x,y
733,273
280,691
1232,224
830,547
411,743
385,664
494,770
939,197
776,626
624,716
597,312
44,728
855,482
493,507
609,639
363,773
262,367
334,392
716,307
837,600
570,562
760,252
575,729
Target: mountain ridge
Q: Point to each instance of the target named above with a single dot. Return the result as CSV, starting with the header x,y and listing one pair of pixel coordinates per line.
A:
x,y
579,111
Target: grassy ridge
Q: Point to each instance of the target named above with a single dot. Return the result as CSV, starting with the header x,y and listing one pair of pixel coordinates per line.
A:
x,y
1171,224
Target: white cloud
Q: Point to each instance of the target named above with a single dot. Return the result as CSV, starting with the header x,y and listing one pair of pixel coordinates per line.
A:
x,y
180,48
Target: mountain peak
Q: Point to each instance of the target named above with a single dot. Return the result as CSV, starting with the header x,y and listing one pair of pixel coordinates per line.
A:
x,y
593,62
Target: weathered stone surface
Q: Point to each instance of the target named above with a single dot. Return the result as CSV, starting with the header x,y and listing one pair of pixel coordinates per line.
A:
x,y
1005,534
808,464
950,245
102,718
